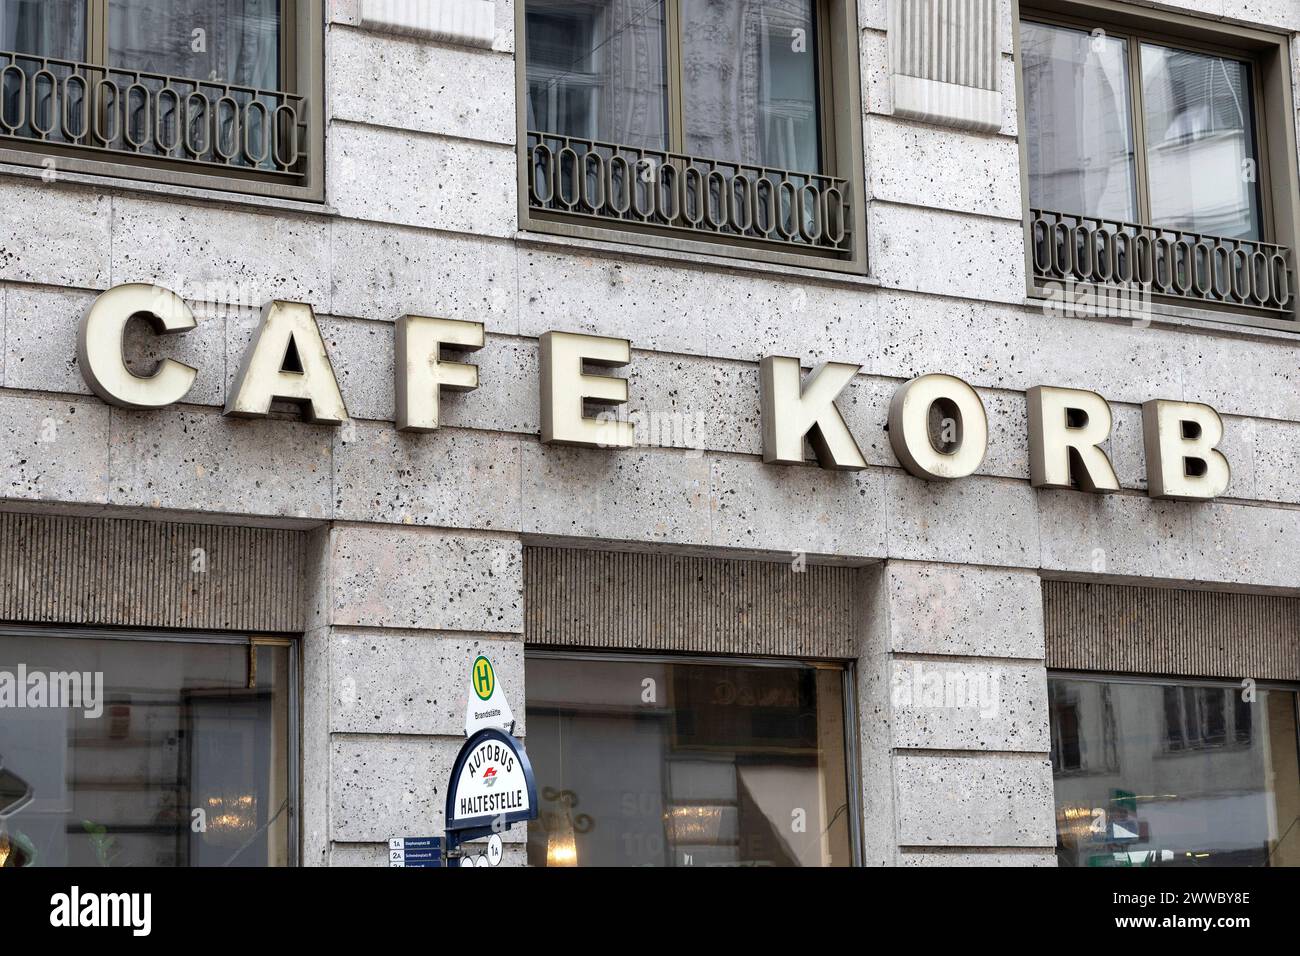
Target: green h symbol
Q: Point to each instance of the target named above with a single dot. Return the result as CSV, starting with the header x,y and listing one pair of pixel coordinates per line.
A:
x,y
483,677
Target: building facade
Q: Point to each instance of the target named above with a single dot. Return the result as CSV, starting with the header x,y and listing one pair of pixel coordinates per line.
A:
x,y
855,431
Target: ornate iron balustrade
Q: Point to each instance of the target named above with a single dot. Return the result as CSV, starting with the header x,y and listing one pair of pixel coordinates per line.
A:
x,y
1166,262
115,112
688,195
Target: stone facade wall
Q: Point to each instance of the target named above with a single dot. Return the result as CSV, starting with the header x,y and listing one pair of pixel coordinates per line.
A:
x,y
416,540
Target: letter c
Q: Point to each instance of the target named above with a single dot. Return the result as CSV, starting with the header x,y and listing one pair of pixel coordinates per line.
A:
x,y
99,346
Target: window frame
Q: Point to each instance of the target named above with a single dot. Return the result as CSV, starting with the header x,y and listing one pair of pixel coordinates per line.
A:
x,y
302,44
1268,55
840,125
1134,40
849,705
252,641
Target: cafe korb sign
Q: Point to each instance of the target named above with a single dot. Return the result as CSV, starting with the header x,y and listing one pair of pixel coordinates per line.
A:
x,y
938,427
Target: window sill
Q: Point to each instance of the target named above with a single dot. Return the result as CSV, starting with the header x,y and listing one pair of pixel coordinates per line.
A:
x,y
1185,318
169,190
661,256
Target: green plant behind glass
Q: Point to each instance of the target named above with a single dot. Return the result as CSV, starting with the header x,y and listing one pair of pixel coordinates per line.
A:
x,y
105,846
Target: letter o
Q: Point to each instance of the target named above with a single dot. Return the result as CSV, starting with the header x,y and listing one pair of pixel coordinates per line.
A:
x,y
909,427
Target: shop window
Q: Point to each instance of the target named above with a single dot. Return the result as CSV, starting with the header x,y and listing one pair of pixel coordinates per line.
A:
x,y
136,751
1204,774
711,125
1147,166
659,761
223,95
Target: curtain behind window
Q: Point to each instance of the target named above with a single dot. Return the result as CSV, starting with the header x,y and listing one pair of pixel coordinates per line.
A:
x,y
55,28
239,42
749,74
596,70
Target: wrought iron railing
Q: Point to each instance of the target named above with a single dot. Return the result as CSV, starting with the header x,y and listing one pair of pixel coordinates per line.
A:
x,y
1165,262
115,112
689,196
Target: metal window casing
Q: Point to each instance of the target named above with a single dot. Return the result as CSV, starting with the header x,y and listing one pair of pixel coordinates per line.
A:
x,y
301,86
1268,54
840,110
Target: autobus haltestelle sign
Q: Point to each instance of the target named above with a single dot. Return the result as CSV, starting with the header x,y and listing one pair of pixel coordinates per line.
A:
x,y
492,783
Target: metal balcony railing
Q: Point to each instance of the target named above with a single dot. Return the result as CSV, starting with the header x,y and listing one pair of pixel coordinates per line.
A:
x,y
1166,262
688,196
109,113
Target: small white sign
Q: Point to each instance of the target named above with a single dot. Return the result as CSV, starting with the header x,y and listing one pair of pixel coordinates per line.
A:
x,y
486,706
1125,832
495,851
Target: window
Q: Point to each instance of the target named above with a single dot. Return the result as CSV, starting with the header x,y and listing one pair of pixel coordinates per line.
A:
x,y
1198,718
645,761
210,94
1146,166
711,123
1201,775
1071,752
126,749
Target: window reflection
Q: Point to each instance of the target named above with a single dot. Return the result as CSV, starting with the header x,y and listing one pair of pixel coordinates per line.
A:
x,y
54,28
749,73
185,765
1079,122
1201,157
746,87
1174,774
235,41
596,70
1201,169
662,763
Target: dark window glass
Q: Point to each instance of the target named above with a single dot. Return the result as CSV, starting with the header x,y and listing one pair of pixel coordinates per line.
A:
x,y
227,41
1242,712
55,28
1175,734
31,30
662,763
177,737
1066,751
1176,794
596,70
747,86
749,79
235,42
1213,722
